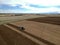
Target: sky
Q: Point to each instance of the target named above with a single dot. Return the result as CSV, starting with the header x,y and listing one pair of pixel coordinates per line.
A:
x,y
29,6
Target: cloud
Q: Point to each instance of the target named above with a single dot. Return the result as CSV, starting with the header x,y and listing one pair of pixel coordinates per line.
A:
x,y
44,10
9,7
26,6
45,2
37,2
11,11
38,6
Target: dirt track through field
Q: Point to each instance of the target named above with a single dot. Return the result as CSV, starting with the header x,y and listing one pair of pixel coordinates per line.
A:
x,y
11,37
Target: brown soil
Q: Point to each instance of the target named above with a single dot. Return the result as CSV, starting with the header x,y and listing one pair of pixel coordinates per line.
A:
x,y
49,20
46,28
10,37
